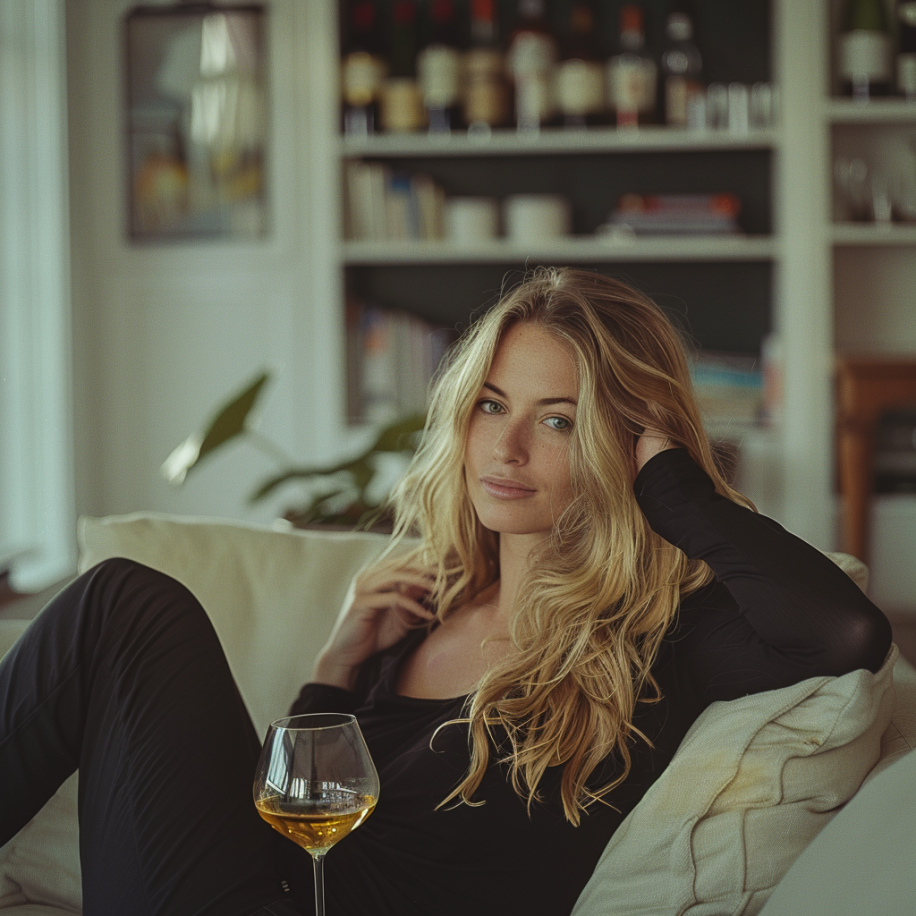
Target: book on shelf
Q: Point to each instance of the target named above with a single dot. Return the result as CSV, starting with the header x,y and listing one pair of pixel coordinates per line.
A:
x,y
390,205
729,387
677,214
392,356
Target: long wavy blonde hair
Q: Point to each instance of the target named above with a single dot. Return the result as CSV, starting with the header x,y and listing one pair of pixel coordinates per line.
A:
x,y
600,594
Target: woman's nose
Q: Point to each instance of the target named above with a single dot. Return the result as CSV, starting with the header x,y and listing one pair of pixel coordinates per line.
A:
x,y
511,446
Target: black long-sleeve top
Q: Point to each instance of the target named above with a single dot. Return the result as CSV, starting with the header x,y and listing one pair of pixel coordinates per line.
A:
x,y
778,611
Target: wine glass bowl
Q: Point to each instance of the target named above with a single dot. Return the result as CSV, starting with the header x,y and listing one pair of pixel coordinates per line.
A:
x,y
315,783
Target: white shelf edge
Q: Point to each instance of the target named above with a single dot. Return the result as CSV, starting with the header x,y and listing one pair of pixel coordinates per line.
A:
x,y
556,141
872,235
878,111
672,248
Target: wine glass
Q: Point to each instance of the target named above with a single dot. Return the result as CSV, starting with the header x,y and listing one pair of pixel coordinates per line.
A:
x,y
315,783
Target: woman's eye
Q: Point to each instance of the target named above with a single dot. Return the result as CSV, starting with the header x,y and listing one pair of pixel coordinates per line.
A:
x,y
491,407
560,423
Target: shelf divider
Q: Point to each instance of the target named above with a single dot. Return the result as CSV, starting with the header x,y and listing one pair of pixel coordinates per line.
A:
x,y
573,250
555,141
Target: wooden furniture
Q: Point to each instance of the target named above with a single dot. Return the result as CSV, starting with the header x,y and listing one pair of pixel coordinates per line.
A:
x,y
866,387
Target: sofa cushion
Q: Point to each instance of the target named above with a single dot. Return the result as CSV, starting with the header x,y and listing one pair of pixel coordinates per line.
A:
x,y
879,824
754,780
273,595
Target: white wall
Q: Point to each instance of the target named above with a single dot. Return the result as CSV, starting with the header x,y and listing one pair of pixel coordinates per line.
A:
x,y
164,332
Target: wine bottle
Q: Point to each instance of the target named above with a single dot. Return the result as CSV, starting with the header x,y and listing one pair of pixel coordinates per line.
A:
x,y
865,50
682,67
530,61
632,74
438,68
486,95
906,49
580,74
363,69
401,102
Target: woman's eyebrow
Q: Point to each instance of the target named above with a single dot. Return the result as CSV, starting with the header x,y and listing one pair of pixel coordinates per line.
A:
x,y
542,401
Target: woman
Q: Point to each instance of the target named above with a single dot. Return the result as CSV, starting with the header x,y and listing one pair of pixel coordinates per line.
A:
x,y
585,582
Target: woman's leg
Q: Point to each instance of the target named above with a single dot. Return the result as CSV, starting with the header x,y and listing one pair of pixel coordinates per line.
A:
x,y
123,677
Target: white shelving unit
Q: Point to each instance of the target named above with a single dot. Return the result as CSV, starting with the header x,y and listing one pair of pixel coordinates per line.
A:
x,y
792,464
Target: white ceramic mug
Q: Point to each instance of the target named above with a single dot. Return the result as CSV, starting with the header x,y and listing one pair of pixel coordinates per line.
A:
x,y
536,217
469,220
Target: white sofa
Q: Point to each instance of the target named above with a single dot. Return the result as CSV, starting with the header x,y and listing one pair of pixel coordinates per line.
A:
x,y
754,782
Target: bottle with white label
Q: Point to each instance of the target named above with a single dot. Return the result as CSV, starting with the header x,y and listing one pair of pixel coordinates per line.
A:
x,y
631,74
530,61
439,68
865,50
579,83
363,69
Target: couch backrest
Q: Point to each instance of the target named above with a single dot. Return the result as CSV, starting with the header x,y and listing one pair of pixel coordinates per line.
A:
x,y
273,595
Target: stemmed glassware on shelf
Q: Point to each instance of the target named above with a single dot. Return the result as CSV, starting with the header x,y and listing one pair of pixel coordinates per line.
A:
x,y
315,783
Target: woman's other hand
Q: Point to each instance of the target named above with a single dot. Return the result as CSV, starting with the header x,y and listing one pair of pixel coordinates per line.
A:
x,y
382,605
649,444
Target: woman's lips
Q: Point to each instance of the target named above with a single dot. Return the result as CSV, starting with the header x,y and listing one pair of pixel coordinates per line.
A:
x,y
500,488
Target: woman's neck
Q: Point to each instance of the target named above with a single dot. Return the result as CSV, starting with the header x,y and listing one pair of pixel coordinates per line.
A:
x,y
514,554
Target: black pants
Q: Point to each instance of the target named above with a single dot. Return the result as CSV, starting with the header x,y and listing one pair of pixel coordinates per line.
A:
x,y
122,676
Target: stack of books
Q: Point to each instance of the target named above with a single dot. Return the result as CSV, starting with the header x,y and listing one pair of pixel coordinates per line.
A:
x,y
388,205
675,214
391,358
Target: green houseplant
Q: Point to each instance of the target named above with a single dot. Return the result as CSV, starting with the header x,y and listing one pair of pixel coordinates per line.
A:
x,y
338,494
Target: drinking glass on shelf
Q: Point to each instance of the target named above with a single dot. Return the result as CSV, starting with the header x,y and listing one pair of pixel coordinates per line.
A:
x,y
315,783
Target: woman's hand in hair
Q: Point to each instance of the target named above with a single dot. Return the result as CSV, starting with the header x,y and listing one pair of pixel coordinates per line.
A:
x,y
382,605
649,444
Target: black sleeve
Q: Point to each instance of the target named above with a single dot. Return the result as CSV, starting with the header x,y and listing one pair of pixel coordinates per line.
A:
x,y
795,613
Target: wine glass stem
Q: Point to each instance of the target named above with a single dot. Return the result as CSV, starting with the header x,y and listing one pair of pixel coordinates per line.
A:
x,y
318,862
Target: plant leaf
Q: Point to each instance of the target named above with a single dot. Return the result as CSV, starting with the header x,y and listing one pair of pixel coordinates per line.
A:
x,y
397,437
227,423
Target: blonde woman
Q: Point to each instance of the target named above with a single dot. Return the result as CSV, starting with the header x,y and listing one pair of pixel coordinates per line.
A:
x,y
571,581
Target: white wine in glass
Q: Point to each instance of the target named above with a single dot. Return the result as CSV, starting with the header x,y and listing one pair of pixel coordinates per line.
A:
x,y
316,782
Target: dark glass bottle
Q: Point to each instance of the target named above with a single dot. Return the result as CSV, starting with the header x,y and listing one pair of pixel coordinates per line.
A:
x,y
682,69
632,74
402,104
580,74
363,69
486,94
439,68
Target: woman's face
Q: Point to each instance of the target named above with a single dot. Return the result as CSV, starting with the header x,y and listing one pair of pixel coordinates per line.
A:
x,y
516,459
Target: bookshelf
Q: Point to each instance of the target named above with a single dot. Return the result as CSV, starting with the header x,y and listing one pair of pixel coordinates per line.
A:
x,y
779,276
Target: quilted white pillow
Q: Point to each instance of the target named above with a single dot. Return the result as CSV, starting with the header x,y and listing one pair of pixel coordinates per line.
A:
x,y
753,782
